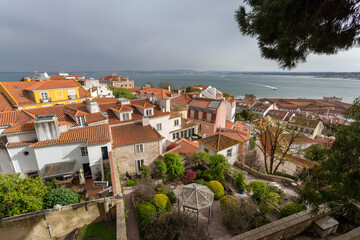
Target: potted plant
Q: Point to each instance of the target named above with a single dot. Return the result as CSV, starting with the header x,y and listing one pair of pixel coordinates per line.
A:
x,y
240,182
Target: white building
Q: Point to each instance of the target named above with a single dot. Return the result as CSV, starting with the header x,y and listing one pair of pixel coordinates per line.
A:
x,y
220,144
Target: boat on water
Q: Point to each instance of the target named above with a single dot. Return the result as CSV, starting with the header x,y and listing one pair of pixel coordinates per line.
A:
x,y
274,88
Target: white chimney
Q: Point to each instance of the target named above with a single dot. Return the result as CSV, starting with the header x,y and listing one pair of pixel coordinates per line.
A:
x,y
123,101
145,121
92,106
47,127
164,103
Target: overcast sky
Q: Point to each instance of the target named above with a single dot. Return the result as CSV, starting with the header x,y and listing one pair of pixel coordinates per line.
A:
x,y
113,35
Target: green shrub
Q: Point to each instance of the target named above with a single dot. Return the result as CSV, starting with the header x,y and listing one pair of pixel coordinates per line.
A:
x,y
131,182
281,174
259,189
100,230
174,166
161,166
208,175
240,180
161,201
144,213
201,181
217,188
161,187
171,195
145,171
200,158
277,190
199,174
61,196
290,209
52,184
227,201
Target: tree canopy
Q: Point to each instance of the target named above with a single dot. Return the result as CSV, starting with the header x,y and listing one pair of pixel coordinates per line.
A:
x,y
121,92
288,31
335,180
20,195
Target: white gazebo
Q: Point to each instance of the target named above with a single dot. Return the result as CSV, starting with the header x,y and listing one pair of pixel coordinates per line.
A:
x,y
195,197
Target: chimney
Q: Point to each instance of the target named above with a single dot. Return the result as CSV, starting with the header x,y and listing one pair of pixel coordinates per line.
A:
x,y
123,101
164,104
169,88
145,121
47,127
92,106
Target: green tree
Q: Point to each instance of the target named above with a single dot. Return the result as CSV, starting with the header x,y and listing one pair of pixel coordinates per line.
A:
x,y
191,89
161,166
290,209
247,115
335,180
268,202
288,31
121,92
200,158
226,94
218,164
316,153
259,189
20,195
240,180
174,166
61,196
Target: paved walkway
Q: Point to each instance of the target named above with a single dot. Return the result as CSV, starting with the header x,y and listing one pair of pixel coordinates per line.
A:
x,y
131,222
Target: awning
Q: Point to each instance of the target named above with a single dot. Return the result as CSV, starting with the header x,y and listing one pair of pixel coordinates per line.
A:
x,y
59,169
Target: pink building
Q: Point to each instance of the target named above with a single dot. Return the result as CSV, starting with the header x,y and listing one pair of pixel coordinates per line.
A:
x,y
209,113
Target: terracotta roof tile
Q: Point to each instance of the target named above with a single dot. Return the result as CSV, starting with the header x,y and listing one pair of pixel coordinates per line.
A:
x,y
133,133
19,144
7,118
61,77
113,77
159,92
218,142
184,146
91,135
184,99
304,122
4,103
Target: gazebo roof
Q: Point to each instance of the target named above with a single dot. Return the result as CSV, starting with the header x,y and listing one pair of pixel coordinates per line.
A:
x,y
196,196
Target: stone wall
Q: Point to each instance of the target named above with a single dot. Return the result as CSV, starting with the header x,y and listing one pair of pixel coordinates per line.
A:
x,y
281,229
125,156
49,224
264,176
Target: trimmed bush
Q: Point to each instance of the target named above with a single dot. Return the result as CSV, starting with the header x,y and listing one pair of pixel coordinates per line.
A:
x,y
161,201
144,213
281,174
131,182
201,181
217,188
171,195
290,209
227,201
61,196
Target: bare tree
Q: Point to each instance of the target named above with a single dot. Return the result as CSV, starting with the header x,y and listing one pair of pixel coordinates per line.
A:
x,y
275,142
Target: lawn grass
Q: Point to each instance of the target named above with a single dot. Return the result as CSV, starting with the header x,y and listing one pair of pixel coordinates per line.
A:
x,y
100,231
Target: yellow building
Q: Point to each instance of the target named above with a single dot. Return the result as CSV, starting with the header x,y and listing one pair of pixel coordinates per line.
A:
x,y
43,93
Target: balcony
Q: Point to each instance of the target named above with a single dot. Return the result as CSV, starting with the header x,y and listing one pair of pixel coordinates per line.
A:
x,y
45,100
72,96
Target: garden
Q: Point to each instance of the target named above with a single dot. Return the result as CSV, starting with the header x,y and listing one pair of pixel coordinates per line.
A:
x,y
238,206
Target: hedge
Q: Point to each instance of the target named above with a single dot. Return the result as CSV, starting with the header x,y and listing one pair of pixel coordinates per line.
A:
x,y
216,188
61,196
290,209
161,201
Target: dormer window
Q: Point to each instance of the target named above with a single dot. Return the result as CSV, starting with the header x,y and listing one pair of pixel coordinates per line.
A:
x,y
16,88
80,120
44,96
148,112
126,116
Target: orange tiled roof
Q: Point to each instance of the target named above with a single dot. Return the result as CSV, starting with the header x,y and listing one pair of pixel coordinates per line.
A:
x,y
73,112
91,135
19,144
241,136
4,103
230,99
7,118
218,142
142,104
18,90
229,125
24,122
184,99
113,77
159,92
133,133
184,146
60,77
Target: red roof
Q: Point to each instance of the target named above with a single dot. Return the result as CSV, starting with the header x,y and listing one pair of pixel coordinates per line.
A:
x,y
183,146
159,92
62,77
91,135
114,77
133,133
184,99
7,118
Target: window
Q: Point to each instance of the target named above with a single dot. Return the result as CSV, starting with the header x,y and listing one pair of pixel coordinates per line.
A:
x,y
182,134
174,136
229,152
71,94
206,150
148,112
84,151
26,153
139,148
139,163
47,105
207,127
126,116
72,102
176,122
22,95
177,135
44,96
158,126
80,120
58,94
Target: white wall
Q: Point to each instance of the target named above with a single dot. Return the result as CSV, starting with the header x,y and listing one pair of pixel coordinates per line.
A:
x,y
231,160
230,111
19,137
23,163
5,162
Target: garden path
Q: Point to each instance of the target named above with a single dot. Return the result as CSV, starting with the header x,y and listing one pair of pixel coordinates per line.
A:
x,y
131,222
